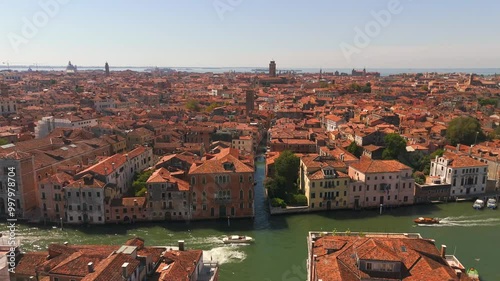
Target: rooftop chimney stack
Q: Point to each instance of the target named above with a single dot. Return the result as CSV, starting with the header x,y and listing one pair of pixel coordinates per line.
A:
x,y
443,251
90,266
181,245
124,270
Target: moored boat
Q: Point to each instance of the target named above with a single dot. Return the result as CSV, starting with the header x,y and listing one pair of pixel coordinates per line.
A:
x,y
237,239
492,203
423,220
473,273
478,204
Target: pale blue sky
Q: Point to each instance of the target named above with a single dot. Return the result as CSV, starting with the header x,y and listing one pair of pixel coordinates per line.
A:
x,y
425,34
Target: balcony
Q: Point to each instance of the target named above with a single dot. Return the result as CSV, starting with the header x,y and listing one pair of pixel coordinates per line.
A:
x,y
329,198
222,200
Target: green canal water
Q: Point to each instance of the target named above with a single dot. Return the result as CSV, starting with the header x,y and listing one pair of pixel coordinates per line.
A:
x,y
280,249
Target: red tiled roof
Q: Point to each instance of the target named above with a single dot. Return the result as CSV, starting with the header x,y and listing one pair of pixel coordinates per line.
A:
x,y
378,166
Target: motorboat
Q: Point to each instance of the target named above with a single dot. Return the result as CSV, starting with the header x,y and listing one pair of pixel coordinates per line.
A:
x,y
237,239
492,203
423,220
478,204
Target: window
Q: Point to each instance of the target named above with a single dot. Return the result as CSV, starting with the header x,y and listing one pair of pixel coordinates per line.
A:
x,y
312,205
241,194
250,194
313,195
368,266
43,195
405,199
241,178
98,194
193,180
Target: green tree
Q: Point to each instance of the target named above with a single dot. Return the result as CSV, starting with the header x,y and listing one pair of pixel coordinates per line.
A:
x,y
484,102
464,130
355,150
193,105
3,141
139,185
419,177
212,106
394,146
284,183
367,88
497,132
287,166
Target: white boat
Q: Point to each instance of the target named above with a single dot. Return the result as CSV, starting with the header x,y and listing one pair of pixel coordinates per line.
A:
x,y
492,203
237,239
478,204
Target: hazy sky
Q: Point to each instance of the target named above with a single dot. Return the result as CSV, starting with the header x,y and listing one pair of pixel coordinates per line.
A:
x,y
305,33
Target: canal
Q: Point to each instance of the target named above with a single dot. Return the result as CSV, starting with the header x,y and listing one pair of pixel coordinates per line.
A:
x,y
280,249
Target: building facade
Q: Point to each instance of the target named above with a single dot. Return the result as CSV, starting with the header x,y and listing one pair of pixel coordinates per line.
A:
x,y
467,176
380,182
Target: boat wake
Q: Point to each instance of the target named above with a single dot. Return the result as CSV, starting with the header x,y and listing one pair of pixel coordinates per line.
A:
x,y
465,221
224,255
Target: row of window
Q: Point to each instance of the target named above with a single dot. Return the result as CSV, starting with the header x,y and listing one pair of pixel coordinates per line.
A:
x,y
344,203
383,186
220,179
77,194
328,184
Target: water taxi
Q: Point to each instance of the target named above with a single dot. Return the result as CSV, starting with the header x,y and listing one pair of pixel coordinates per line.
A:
x,y
478,204
237,239
423,220
492,203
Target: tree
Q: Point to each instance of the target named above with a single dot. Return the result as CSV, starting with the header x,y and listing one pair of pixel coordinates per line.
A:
x,y
284,183
3,141
464,130
287,166
419,177
355,150
394,146
212,106
193,105
139,185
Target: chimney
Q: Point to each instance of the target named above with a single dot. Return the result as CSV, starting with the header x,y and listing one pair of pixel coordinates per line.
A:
x,y
470,149
443,251
113,165
66,243
135,202
124,270
90,266
181,245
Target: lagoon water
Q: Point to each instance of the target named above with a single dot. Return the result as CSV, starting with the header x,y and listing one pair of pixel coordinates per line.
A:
x,y
280,249
383,71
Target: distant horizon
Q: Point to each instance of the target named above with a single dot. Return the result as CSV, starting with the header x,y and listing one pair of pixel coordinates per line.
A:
x,y
227,67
